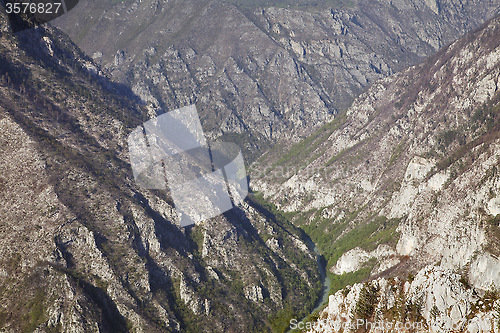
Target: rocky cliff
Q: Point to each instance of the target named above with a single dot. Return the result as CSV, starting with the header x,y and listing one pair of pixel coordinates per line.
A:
x,y
262,75
436,300
84,249
406,178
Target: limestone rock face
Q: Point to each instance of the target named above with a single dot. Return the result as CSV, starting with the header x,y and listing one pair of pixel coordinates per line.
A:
x,y
353,260
253,293
414,161
485,271
190,298
399,153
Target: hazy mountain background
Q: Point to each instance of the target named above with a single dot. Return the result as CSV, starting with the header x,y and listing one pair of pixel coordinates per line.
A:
x,y
262,75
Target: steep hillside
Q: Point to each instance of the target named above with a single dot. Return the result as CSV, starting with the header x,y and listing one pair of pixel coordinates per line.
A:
x,y
84,249
261,75
408,176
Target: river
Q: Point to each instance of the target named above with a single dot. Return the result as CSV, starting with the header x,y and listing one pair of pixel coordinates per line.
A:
x,y
325,280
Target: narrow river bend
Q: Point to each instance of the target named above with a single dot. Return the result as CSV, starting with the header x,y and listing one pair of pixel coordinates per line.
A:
x,y
325,280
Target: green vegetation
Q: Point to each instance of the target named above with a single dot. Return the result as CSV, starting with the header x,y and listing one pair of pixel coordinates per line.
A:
x,y
446,138
35,312
485,115
463,280
13,263
280,322
434,312
497,315
368,299
54,329
339,282
281,219
299,153
299,298
413,310
404,309
194,236
379,230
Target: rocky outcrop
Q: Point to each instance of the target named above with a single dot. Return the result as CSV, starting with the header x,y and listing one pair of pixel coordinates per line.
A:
x,y
190,298
485,271
253,293
435,300
354,259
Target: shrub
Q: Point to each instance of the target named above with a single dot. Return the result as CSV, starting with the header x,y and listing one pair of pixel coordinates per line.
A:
x,y
464,282
434,312
497,315
368,299
413,310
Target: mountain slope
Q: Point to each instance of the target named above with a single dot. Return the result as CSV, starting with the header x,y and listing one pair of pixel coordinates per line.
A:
x,y
403,190
262,75
412,164
83,249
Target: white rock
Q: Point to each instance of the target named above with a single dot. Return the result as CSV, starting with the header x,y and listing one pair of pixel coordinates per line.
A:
x,y
351,261
485,271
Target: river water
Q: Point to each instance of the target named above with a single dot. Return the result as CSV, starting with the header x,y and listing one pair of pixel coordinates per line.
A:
x,y
325,280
